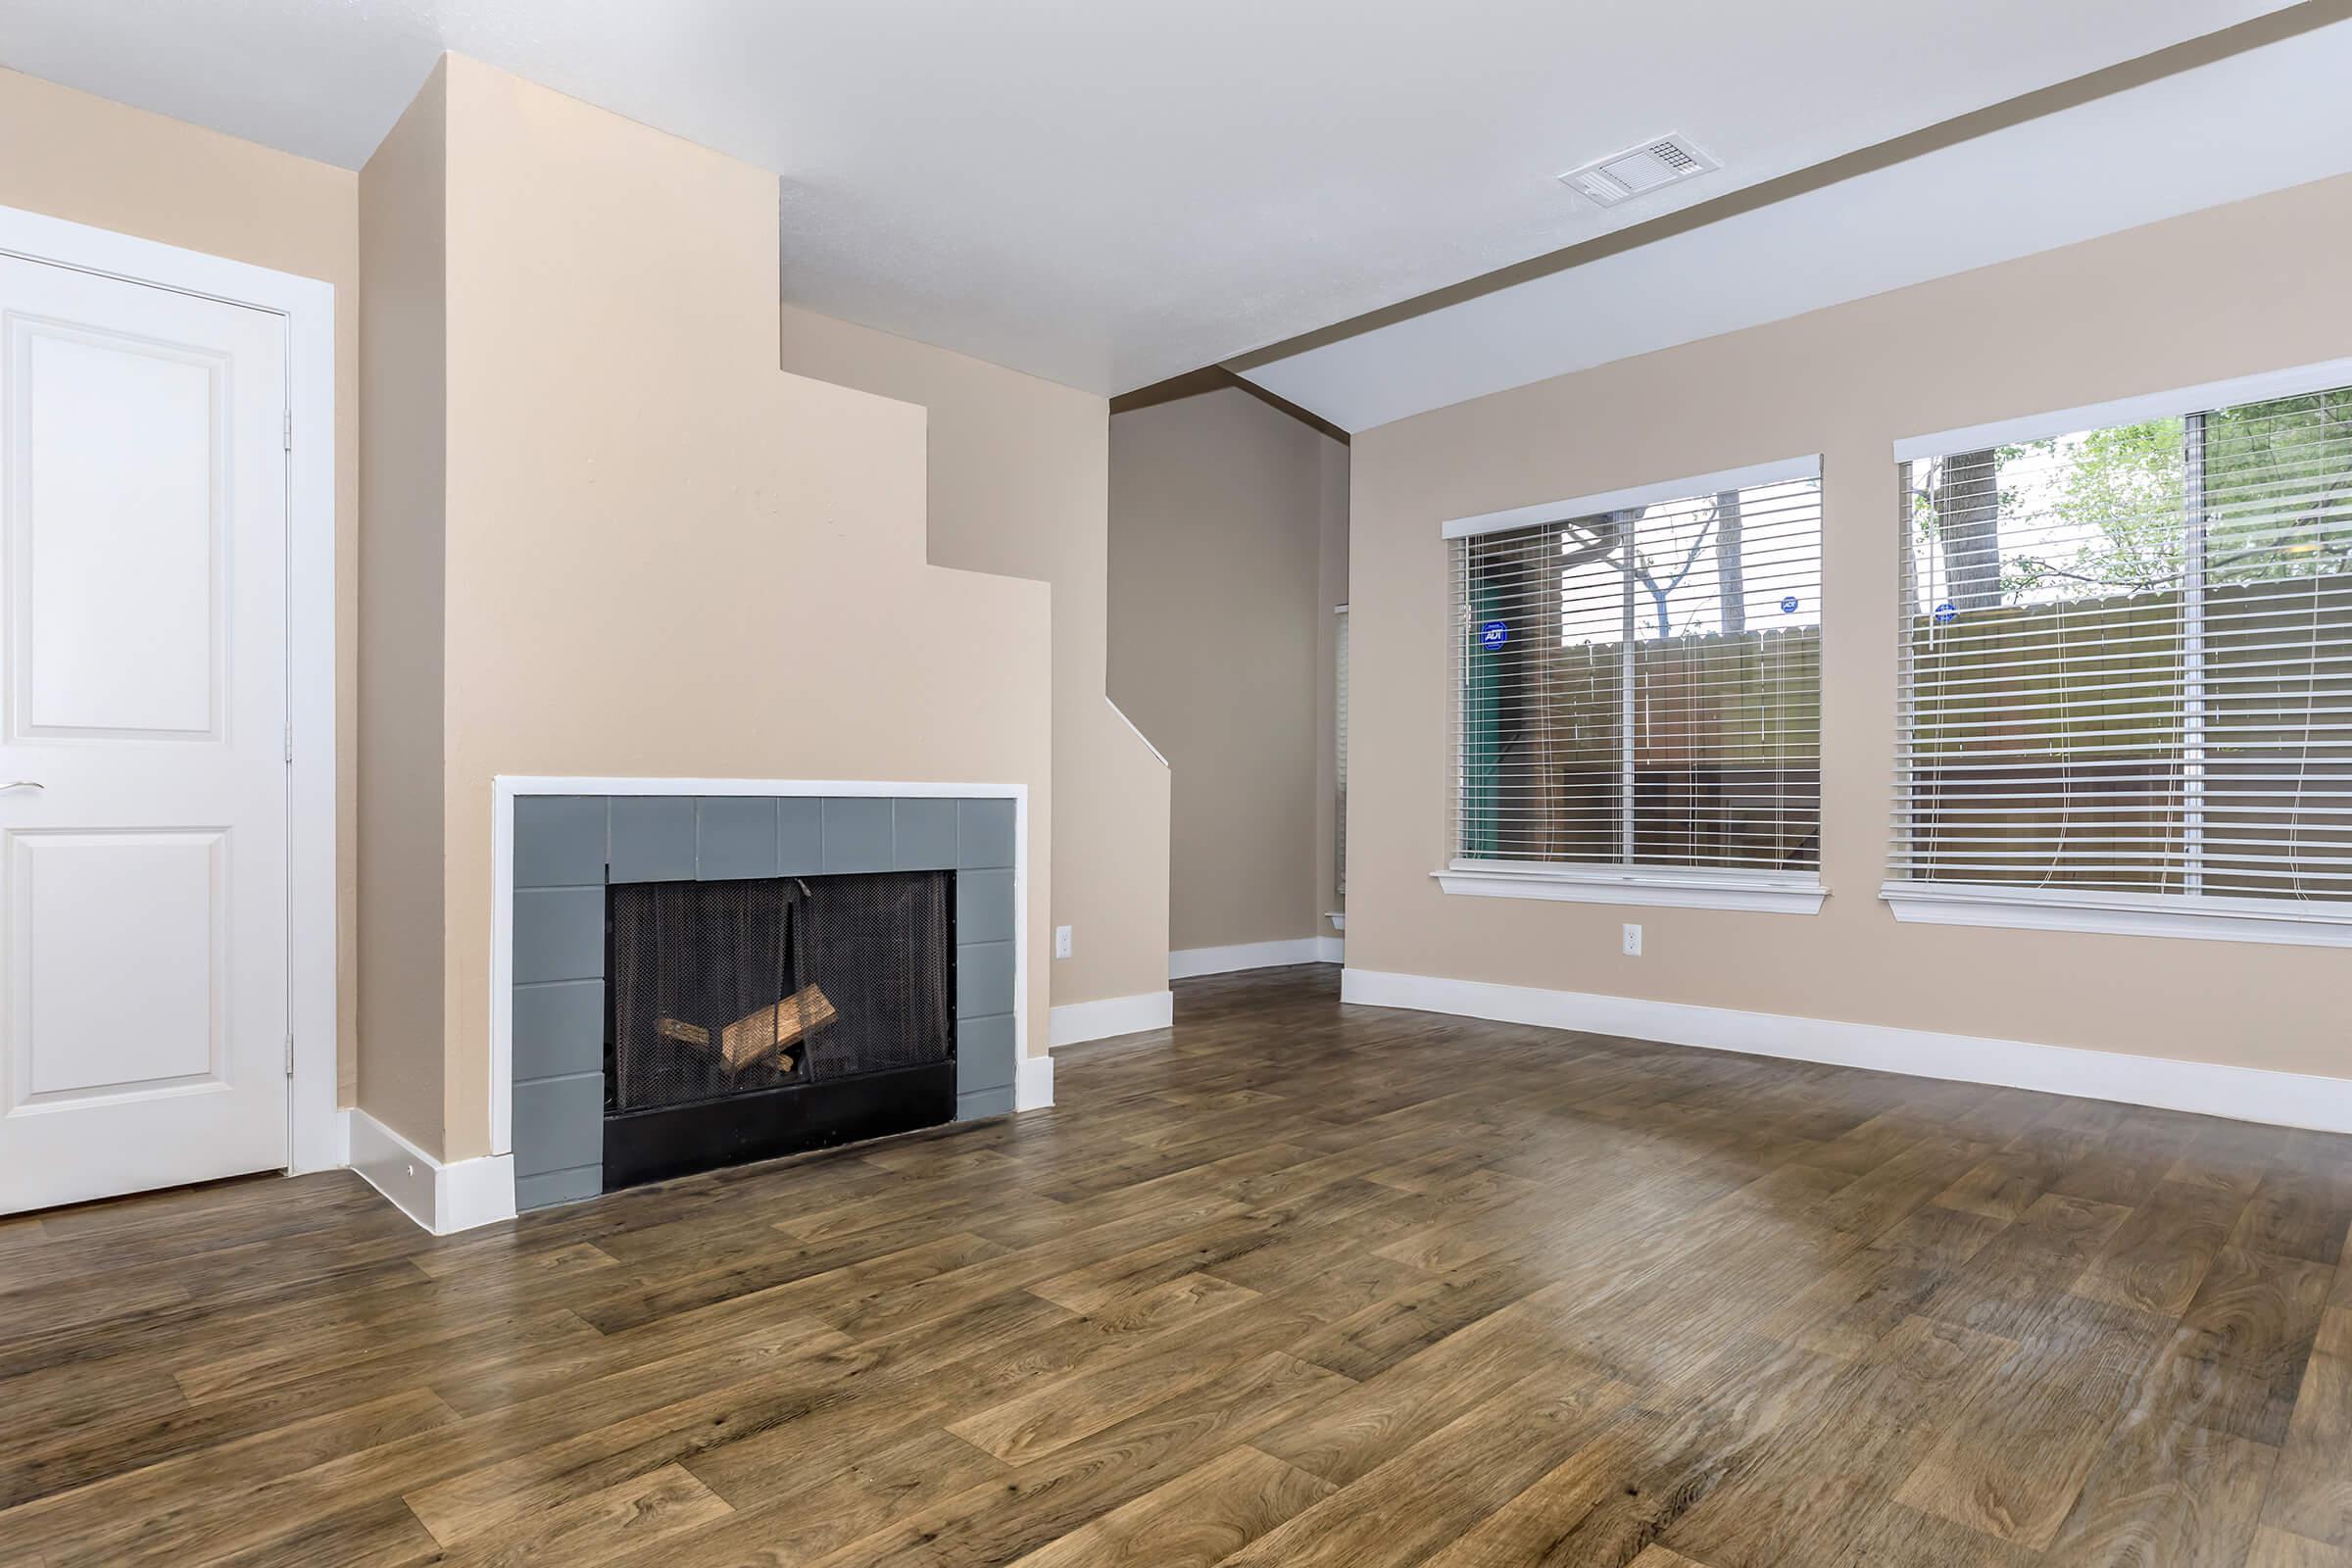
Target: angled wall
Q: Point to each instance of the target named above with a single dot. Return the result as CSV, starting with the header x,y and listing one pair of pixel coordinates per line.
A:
x,y
1020,485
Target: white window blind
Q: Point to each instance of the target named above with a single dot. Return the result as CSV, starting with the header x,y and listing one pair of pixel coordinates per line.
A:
x,y
1340,829
2127,660
1637,679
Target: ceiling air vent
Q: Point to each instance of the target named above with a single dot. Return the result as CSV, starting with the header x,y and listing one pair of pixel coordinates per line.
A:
x,y
1637,171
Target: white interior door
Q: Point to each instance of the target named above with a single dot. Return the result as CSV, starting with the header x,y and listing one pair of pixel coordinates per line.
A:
x,y
143,1024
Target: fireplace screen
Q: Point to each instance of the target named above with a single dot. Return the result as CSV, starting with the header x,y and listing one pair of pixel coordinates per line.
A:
x,y
718,989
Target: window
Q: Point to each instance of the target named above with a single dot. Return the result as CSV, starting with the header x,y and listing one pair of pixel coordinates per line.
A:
x,y
1638,682
2127,670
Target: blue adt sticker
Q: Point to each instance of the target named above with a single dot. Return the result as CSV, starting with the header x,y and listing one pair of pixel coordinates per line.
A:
x,y
1945,612
1788,606
1494,634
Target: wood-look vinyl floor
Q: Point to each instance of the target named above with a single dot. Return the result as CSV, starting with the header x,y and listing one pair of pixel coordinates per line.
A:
x,y
1295,1284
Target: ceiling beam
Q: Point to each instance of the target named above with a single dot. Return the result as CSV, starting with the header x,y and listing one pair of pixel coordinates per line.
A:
x,y
2277,26
1216,378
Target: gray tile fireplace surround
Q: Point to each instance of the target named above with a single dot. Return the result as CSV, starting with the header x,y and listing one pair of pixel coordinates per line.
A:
x,y
569,847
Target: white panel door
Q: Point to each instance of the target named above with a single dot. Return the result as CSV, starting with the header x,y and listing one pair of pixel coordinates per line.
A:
x,y
142,712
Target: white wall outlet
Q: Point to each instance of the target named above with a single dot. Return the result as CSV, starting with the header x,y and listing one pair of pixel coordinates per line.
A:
x,y
1061,941
1633,941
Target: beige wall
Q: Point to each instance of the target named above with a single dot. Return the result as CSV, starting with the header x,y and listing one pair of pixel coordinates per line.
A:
x,y
1224,512
2244,289
505,451
403,431
1018,485
90,161
662,555
661,466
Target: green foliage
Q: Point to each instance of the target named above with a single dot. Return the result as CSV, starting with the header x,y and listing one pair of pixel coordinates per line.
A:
x,y
2116,500
2106,511
2281,477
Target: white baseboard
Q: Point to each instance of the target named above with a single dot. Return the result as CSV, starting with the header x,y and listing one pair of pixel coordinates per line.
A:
x,y
443,1199
1077,1023
1189,963
1033,1083
2245,1093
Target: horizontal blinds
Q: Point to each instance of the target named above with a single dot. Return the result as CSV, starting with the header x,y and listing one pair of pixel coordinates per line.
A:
x,y
1642,686
2126,657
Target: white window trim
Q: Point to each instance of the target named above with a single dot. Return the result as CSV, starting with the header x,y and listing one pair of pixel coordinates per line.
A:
x,y
2126,914
1618,882
2190,915
2300,381
1786,470
1753,891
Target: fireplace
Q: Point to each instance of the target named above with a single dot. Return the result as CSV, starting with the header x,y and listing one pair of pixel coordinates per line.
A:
x,y
699,980
751,1018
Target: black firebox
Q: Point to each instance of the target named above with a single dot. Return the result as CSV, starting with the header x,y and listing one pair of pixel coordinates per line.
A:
x,y
748,1019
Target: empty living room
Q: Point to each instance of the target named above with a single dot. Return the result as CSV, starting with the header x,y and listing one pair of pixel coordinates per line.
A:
x,y
1106,784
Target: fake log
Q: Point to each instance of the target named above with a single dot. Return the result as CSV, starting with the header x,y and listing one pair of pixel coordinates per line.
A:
x,y
755,1035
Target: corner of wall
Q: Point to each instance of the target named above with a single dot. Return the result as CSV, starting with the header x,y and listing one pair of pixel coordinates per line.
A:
x,y
401,594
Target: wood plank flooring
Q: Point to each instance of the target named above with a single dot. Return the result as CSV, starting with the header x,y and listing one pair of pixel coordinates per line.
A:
x,y
1292,1283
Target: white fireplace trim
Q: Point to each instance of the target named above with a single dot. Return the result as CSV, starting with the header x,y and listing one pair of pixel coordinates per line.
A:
x,y
504,788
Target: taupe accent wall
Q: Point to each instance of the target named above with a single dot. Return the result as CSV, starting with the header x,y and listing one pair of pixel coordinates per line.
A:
x,y
1228,542
91,161
2254,286
1018,485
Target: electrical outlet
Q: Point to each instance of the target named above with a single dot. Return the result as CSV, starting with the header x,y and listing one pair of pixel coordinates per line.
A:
x,y
1633,941
1061,941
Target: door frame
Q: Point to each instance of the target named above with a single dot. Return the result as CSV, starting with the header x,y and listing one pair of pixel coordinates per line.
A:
x,y
316,1137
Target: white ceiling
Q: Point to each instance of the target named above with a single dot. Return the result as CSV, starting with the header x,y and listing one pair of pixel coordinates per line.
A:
x,y
2263,121
1109,192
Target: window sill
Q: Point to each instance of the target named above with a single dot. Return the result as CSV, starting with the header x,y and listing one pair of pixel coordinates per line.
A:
x,y
1751,892
2124,914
